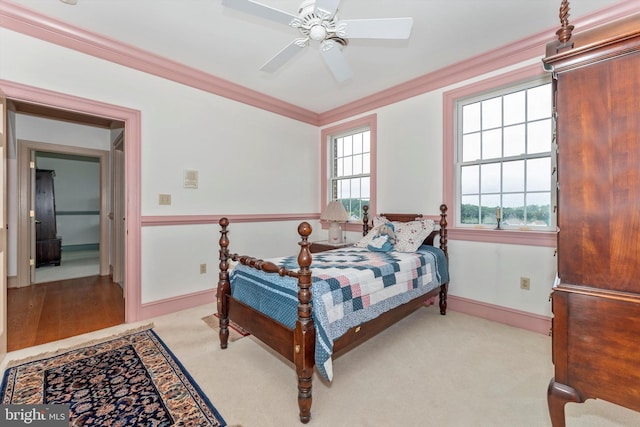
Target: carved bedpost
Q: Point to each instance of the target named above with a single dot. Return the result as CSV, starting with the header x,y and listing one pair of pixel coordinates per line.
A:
x,y
443,229
443,245
304,333
365,220
224,287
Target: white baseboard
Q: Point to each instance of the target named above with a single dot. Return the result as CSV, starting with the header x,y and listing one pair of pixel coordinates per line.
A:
x,y
12,281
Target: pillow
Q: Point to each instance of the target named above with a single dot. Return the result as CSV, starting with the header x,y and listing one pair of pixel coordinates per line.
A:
x,y
377,222
384,240
410,235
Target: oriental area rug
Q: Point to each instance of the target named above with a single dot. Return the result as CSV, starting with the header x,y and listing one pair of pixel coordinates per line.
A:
x,y
130,380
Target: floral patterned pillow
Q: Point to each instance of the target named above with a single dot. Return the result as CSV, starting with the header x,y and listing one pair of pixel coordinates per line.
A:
x,y
410,235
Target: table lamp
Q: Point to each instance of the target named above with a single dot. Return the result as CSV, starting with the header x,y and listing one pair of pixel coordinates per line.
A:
x,y
335,213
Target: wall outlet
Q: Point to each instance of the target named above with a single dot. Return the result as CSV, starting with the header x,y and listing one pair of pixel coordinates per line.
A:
x,y
525,283
164,199
203,268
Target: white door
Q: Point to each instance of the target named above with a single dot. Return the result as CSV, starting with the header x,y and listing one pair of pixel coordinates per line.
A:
x,y
3,226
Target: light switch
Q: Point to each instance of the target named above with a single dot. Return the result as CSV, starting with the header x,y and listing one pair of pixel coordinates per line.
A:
x,y
164,199
190,179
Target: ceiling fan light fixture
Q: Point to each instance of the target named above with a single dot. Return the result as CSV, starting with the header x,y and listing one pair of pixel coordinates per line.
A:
x,y
318,33
71,2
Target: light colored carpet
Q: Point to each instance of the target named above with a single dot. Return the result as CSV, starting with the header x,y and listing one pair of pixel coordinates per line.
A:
x,y
428,370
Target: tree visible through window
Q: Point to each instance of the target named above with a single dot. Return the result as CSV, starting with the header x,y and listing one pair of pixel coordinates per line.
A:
x,y
350,170
503,158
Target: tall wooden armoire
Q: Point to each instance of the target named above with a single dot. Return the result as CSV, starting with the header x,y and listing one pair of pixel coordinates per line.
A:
x,y
596,304
48,244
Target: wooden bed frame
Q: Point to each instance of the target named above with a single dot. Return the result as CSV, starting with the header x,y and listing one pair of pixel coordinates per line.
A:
x,y
298,345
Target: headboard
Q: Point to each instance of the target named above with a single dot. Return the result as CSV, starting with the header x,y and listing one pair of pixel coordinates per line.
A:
x,y
440,229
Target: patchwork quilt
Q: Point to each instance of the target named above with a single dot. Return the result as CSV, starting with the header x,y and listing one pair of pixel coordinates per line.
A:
x,y
349,285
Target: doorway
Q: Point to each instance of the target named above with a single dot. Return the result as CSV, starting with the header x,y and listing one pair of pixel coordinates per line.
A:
x,y
67,217
103,298
26,241
69,107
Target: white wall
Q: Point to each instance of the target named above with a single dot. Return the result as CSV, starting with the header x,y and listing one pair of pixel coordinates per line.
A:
x,y
410,179
239,151
184,128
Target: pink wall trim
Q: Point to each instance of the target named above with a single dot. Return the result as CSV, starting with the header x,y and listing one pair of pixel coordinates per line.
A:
x,y
29,22
521,50
528,238
131,118
32,23
508,316
371,121
183,302
148,221
448,163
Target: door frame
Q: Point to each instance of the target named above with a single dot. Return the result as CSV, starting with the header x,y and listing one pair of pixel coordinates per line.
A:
x,y
133,135
26,239
4,117
118,215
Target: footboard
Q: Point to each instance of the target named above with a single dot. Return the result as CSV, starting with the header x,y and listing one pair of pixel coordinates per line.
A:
x,y
301,353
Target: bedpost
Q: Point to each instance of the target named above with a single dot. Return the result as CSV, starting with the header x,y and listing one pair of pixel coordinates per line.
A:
x,y
443,245
443,229
224,287
365,220
304,333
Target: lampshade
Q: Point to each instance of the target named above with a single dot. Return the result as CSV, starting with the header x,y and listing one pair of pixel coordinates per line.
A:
x,y
335,211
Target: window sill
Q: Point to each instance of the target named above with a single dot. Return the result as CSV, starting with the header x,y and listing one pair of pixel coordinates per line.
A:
x,y
512,237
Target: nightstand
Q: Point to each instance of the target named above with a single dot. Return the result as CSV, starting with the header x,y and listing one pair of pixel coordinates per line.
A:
x,y
324,245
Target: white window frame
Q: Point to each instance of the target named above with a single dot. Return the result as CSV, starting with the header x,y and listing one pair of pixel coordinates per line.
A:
x,y
486,95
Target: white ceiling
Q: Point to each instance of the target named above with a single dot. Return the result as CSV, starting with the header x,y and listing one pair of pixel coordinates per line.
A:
x,y
233,45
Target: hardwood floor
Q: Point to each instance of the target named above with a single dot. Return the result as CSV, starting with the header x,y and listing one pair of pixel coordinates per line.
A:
x,y
46,312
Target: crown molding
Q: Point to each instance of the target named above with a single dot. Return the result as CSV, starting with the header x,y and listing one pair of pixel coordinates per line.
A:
x,y
34,24
29,22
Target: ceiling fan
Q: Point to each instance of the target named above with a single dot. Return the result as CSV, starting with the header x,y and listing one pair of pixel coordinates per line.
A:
x,y
317,20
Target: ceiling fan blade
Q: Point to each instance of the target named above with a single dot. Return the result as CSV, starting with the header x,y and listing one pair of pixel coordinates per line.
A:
x,y
326,7
288,52
386,28
335,60
261,10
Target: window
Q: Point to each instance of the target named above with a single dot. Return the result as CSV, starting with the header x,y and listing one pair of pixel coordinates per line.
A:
x,y
503,158
350,170
349,150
